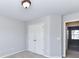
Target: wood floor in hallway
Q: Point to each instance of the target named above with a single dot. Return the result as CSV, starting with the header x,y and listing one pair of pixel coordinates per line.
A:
x,y
26,54
72,54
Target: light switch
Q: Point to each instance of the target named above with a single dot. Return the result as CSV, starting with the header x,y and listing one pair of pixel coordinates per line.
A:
x,y
58,38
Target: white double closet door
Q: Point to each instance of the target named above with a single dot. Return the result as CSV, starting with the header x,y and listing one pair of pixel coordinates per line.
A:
x,y
36,38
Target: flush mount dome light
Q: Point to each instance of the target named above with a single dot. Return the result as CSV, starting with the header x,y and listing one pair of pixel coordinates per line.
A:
x,y
26,3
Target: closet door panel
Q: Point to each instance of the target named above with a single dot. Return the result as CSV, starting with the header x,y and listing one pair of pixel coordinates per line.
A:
x,y
36,38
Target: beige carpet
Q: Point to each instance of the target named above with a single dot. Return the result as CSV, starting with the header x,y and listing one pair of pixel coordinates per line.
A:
x,y
72,54
26,54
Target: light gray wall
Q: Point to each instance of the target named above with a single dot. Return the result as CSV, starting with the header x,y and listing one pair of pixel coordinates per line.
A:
x,y
73,16
11,36
55,36
53,31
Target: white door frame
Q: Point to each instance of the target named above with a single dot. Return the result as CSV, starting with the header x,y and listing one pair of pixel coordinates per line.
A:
x,y
64,37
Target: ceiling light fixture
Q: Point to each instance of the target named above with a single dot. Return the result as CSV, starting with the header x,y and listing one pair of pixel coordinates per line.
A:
x,y
26,3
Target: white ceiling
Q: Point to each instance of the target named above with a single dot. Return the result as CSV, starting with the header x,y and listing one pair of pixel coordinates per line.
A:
x,y
39,8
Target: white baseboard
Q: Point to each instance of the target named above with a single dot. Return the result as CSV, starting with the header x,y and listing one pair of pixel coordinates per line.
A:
x,y
11,54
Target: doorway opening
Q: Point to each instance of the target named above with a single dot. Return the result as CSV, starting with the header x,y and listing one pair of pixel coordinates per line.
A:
x,y
72,39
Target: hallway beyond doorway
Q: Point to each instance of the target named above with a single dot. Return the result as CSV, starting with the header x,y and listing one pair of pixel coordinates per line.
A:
x,y
72,54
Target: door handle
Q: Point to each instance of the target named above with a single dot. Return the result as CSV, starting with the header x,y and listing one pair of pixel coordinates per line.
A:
x,y
34,40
